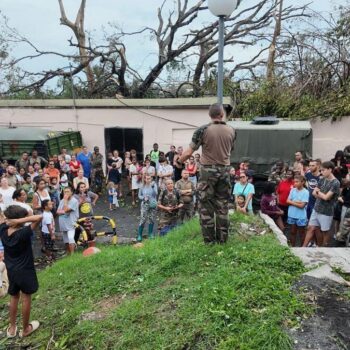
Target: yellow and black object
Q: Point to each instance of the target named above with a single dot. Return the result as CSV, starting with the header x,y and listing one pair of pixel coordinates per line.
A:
x,y
81,236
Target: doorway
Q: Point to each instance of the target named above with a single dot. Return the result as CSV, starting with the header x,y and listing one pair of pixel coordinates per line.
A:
x,y
124,139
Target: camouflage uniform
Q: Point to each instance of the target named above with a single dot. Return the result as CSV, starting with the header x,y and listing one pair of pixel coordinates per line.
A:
x,y
147,213
214,187
344,231
188,206
168,199
96,172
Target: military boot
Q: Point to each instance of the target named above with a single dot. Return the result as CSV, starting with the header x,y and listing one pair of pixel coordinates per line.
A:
x,y
139,233
150,231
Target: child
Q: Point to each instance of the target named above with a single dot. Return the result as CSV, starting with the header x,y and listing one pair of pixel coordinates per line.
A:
x,y
268,205
54,191
112,196
297,216
48,228
63,181
28,187
240,203
19,260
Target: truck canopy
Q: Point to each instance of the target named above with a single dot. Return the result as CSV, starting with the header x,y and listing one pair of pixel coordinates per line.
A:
x,y
262,145
15,141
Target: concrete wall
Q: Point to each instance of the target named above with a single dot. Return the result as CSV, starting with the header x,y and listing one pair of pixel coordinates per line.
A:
x,y
328,137
159,125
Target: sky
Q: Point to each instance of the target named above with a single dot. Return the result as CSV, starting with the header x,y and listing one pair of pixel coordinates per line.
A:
x,y
38,20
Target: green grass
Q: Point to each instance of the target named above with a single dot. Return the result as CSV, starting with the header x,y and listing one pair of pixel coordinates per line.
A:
x,y
174,293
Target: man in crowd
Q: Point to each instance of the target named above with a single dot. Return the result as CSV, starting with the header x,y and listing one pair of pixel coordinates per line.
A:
x,y
214,187
178,166
278,172
155,155
312,178
186,189
84,158
297,165
171,154
23,162
65,156
96,171
11,176
35,158
326,194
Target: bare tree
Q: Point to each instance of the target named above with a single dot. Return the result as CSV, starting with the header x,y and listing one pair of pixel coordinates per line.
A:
x,y
79,31
181,36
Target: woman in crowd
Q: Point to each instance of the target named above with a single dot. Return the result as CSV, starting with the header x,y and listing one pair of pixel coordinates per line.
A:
x,y
20,198
148,169
74,166
80,178
6,193
192,170
148,196
340,170
40,194
165,172
87,200
245,188
283,189
134,171
268,205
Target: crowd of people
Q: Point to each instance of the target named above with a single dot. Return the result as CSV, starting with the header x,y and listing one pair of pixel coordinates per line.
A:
x,y
308,195
311,197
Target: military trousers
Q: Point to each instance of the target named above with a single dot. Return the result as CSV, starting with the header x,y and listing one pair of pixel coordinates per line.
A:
x,y
214,189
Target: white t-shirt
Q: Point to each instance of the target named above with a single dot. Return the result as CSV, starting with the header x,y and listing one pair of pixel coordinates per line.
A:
x,y
47,220
25,206
134,178
6,196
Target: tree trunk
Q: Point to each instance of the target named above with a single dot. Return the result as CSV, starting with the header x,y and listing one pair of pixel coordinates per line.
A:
x,y
270,69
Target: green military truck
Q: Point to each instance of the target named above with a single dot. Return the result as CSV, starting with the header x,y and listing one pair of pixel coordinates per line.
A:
x,y
266,140
14,141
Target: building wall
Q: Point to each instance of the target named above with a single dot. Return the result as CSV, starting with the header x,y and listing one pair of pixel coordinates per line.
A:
x,y
159,125
328,137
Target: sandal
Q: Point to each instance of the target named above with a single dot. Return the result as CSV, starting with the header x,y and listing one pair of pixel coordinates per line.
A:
x,y
9,335
34,324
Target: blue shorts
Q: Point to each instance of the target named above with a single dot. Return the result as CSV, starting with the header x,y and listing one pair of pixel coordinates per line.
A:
x,y
298,222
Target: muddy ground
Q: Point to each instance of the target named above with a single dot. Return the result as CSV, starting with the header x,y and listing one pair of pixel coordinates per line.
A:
x,y
329,327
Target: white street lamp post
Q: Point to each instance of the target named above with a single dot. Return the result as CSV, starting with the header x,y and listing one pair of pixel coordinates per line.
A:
x,y
222,9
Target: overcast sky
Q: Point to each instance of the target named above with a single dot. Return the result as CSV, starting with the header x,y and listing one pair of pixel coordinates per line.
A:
x,y
38,20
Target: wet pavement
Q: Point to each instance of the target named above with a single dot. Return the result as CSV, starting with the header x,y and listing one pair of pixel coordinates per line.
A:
x,y
126,218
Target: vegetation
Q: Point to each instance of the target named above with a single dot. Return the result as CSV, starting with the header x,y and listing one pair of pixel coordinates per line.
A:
x,y
174,293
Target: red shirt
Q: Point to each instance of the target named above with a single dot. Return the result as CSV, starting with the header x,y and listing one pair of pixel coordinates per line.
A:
x,y
283,190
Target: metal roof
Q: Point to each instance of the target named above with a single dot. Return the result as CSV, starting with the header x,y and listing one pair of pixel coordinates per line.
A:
x,y
26,134
201,102
282,125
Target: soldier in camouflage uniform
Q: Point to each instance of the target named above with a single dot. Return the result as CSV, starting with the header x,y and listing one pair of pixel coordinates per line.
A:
x,y
97,170
169,205
186,189
344,232
214,187
278,172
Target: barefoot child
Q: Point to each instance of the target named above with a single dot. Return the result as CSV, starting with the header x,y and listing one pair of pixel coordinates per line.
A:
x,y
297,216
268,205
48,227
19,260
